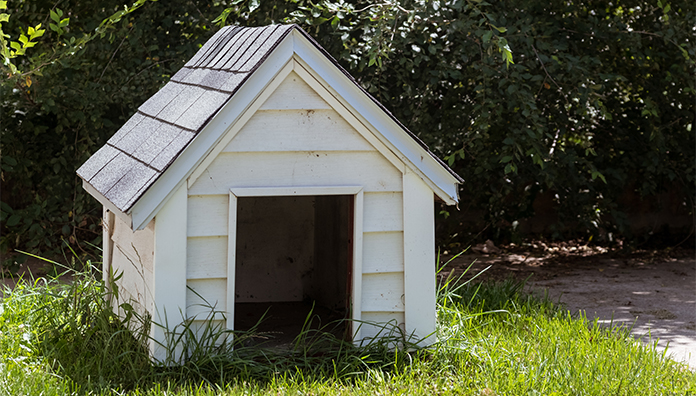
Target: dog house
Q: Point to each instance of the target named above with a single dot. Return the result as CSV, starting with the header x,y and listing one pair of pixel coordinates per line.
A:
x,y
263,177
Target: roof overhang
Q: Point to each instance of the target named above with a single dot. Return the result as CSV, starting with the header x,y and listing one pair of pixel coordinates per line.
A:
x,y
302,48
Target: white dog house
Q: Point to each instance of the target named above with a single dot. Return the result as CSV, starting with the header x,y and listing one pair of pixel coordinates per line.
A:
x,y
263,175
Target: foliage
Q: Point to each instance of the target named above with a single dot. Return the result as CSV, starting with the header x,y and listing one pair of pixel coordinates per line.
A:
x,y
81,81
589,104
598,104
62,338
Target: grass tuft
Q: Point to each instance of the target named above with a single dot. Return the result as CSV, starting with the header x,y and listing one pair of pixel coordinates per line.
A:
x,y
63,338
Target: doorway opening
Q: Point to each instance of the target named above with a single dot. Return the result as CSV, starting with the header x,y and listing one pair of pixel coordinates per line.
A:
x,y
293,256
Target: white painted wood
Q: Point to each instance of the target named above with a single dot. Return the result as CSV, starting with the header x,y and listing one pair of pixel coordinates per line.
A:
x,y
419,257
134,283
169,273
207,215
204,297
206,257
357,269
297,130
329,96
383,292
382,324
204,328
379,122
382,125
298,191
292,169
233,128
108,219
294,93
138,245
383,212
132,260
231,259
231,114
383,252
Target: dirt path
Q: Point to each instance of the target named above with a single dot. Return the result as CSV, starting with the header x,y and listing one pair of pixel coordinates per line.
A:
x,y
654,293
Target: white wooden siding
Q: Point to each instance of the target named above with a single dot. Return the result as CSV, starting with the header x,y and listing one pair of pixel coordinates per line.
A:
x,y
206,257
382,324
169,274
383,292
297,140
419,257
205,296
132,257
286,169
383,212
134,284
297,130
383,252
204,328
294,93
138,245
207,215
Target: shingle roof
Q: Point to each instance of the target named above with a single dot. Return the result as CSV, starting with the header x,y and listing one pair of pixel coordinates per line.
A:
x,y
140,152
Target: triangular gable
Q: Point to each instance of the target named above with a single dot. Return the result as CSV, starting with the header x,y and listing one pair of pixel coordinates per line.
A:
x,y
135,180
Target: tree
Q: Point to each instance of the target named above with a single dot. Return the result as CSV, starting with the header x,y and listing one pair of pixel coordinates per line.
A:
x,y
579,102
71,92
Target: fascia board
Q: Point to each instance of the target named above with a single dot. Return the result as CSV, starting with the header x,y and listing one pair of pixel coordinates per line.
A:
x,y
416,157
126,218
159,193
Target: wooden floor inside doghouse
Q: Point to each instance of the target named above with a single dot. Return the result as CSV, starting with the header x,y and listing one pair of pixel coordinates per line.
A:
x,y
283,321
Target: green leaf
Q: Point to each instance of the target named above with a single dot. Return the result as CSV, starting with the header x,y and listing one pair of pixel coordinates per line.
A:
x,y
487,36
506,159
4,17
3,5
596,174
55,16
13,220
667,8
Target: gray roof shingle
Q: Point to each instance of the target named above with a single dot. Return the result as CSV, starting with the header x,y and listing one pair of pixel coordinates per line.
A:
x,y
142,149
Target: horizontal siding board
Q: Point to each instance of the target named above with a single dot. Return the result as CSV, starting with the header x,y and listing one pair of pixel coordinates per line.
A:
x,y
297,130
383,212
206,257
207,215
294,93
210,295
383,252
381,323
383,292
286,169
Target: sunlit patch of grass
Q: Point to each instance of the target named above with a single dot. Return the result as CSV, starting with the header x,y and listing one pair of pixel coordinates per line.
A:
x,y
63,338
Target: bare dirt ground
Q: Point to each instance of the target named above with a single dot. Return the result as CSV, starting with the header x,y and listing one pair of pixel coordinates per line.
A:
x,y
651,292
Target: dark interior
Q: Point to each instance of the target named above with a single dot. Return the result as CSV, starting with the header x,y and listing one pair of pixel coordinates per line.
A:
x,y
293,256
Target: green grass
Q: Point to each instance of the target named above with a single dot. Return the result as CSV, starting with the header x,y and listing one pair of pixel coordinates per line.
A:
x,y
60,339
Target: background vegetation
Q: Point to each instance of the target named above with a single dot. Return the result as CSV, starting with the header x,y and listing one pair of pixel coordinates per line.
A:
x,y
584,110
